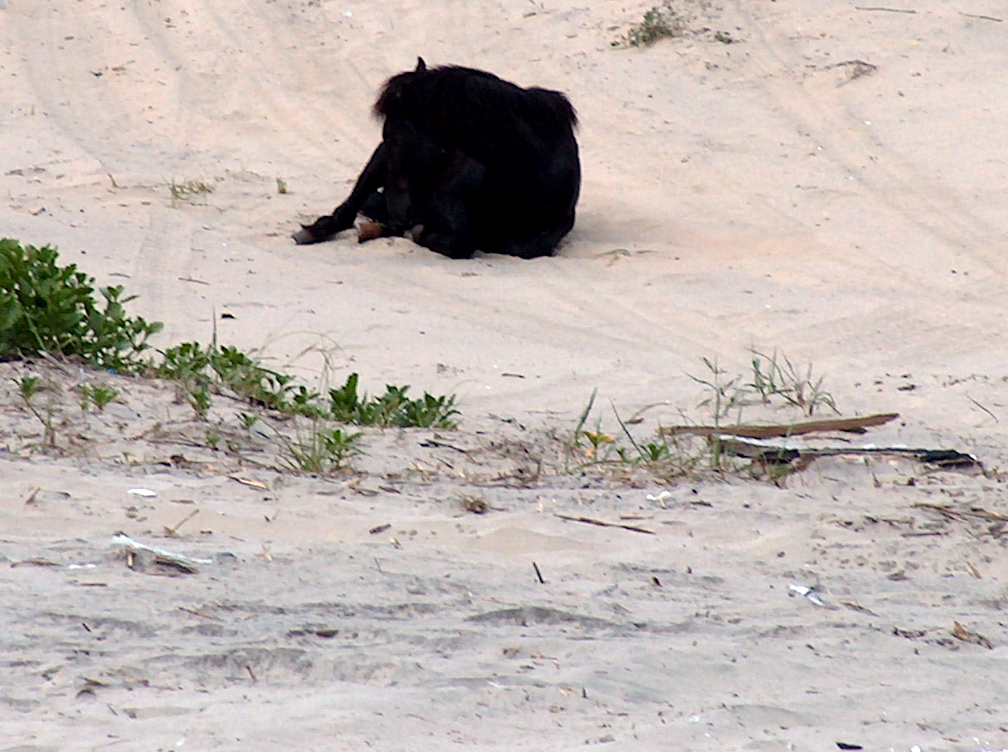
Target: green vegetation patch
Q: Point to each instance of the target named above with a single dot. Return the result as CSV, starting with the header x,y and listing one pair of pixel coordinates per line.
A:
x,y
47,308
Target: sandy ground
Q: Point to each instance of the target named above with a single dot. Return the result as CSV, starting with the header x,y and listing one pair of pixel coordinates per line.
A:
x,y
833,184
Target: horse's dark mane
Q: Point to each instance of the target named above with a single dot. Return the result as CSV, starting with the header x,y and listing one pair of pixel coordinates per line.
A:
x,y
456,92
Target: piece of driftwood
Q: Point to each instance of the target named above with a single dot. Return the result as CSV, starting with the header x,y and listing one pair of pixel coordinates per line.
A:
x,y
774,455
856,424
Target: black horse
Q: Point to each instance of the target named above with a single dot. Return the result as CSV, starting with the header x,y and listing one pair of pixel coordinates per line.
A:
x,y
467,162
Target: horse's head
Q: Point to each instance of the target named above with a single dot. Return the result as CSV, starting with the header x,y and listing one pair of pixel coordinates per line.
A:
x,y
415,164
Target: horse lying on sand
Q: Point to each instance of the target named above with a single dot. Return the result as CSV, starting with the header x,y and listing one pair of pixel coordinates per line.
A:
x,y
467,162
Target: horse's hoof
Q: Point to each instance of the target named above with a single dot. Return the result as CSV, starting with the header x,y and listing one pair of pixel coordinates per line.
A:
x,y
370,230
303,237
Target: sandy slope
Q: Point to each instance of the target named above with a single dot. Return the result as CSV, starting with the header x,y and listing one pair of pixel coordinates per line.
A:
x,y
757,194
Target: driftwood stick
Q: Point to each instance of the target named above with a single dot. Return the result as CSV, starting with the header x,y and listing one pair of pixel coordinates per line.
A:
x,y
740,447
771,430
603,523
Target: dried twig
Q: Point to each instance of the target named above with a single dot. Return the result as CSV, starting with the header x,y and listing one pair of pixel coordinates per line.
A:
x,y
983,408
883,9
173,530
981,16
603,523
958,513
250,483
200,613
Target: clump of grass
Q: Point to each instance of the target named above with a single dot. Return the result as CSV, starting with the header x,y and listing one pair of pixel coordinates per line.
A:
x,y
281,186
665,457
28,387
321,449
98,395
189,191
777,376
48,308
660,22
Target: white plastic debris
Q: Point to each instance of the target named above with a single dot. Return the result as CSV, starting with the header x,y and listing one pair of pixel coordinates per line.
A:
x,y
123,540
145,492
809,593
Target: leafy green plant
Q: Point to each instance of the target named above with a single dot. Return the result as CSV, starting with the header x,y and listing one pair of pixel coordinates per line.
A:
x,y
199,400
52,309
429,412
394,408
249,380
45,307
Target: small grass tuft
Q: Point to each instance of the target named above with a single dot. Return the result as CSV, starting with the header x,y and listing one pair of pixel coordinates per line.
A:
x,y
189,191
660,22
321,449
776,376
28,387
98,395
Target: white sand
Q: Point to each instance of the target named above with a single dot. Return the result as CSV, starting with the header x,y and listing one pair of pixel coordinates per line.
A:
x,y
736,196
